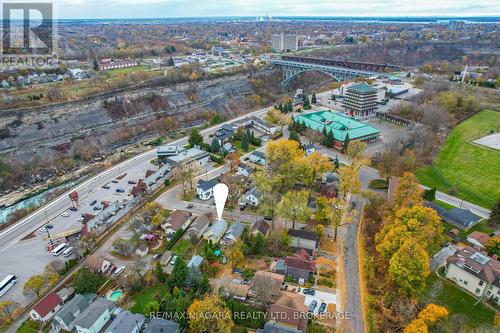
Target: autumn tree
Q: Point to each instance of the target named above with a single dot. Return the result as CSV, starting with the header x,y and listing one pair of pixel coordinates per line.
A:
x,y
329,211
408,192
492,246
418,223
294,205
312,166
7,309
234,160
409,267
185,173
209,315
234,253
34,285
429,316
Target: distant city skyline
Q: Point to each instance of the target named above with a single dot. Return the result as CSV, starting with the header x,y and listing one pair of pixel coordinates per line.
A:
x,y
96,9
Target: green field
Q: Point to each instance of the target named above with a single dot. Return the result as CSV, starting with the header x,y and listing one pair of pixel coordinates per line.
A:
x,y
457,302
472,169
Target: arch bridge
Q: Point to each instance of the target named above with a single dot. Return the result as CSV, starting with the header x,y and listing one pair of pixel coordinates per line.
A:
x,y
293,66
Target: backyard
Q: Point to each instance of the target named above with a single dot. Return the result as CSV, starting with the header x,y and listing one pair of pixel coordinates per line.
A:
x,y
459,303
468,169
142,299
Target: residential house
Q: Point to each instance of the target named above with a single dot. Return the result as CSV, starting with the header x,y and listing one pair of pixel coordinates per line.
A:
x,y
198,226
66,293
205,188
157,325
126,322
195,262
215,232
233,232
459,217
244,170
238,290
165,258
289,311
228,148
271,327
304,239
97,264
476,272
263,125
262,227
223,135
95,316
477,238
46,308
258,157
266,286
309,149
65,317
299,268
165,151
179,219
253,197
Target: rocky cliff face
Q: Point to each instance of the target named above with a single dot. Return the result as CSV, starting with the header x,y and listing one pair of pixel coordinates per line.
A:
x,y
40,130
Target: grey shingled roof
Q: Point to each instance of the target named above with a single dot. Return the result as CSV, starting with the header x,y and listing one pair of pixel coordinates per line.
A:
x,y
162,325
77,303
126,322
206,185
88,317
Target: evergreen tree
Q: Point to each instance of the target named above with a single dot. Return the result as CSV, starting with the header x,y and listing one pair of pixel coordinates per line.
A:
x,y
95,64
294,136
313,98
195,138
336,162
215,146
345,144
329,139
245,144
170,62
303,126
495,214
325,135
179,273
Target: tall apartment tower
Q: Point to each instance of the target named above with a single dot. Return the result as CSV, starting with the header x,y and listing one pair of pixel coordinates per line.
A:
x,y
285,43
360,100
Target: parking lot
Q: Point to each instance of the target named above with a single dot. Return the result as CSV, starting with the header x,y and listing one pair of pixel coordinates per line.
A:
x,y
27,257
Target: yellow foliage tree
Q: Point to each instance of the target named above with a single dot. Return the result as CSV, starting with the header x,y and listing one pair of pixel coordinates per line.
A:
x,y
408,192
429,316
34,285
409,267
312,166
209,315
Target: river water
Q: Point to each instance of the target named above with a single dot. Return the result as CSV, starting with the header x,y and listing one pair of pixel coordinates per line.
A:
x,y
34,201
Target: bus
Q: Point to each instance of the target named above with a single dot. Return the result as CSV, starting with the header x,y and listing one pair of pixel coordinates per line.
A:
x,y
59,249
7,283
68,251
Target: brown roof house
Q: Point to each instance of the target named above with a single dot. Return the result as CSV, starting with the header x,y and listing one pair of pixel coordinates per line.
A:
x,y
289,311
46,308
238,290
179,219
97,264
262,227
266,286
198,226
299,268
477,238
476,272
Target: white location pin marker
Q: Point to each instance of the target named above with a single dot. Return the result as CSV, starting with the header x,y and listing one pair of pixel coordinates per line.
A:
x,y
220,195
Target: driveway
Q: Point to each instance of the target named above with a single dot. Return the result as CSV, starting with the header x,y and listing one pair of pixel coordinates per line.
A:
x,y
320,297
440,257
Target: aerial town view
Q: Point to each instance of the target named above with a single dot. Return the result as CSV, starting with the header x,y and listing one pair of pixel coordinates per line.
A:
x,y
249,166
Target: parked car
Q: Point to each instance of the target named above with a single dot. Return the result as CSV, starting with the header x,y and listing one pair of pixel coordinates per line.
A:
x,y
173,260
322,307
119,270
97,207
65,214
313,305
107,187
309,291
157,256
189,206
93,202
73,209
49,226
116,181
132,182
120,190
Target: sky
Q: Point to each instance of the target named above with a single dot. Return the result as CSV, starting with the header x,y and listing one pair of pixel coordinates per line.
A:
x,y
189,8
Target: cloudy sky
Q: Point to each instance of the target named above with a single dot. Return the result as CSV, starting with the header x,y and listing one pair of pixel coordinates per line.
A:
x,y
189,8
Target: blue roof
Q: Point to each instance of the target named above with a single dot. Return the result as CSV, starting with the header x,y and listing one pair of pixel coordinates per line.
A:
x,y
195,261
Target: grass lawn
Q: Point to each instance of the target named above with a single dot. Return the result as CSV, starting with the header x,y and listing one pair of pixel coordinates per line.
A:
x,y
142,299
126,70
378,184
28,326
240,150
182,247
457,302
482,226
465,165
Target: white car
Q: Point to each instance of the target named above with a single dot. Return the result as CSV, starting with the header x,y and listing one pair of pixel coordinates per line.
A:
x,y
65,214
119,270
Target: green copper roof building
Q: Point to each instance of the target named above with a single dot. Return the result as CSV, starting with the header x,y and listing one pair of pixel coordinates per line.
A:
x,y
340,125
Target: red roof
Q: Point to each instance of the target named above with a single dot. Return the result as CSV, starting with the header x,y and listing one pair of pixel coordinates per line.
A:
x,y
47,304
149,172
87,217
73,195
306,265
480,237
302,254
